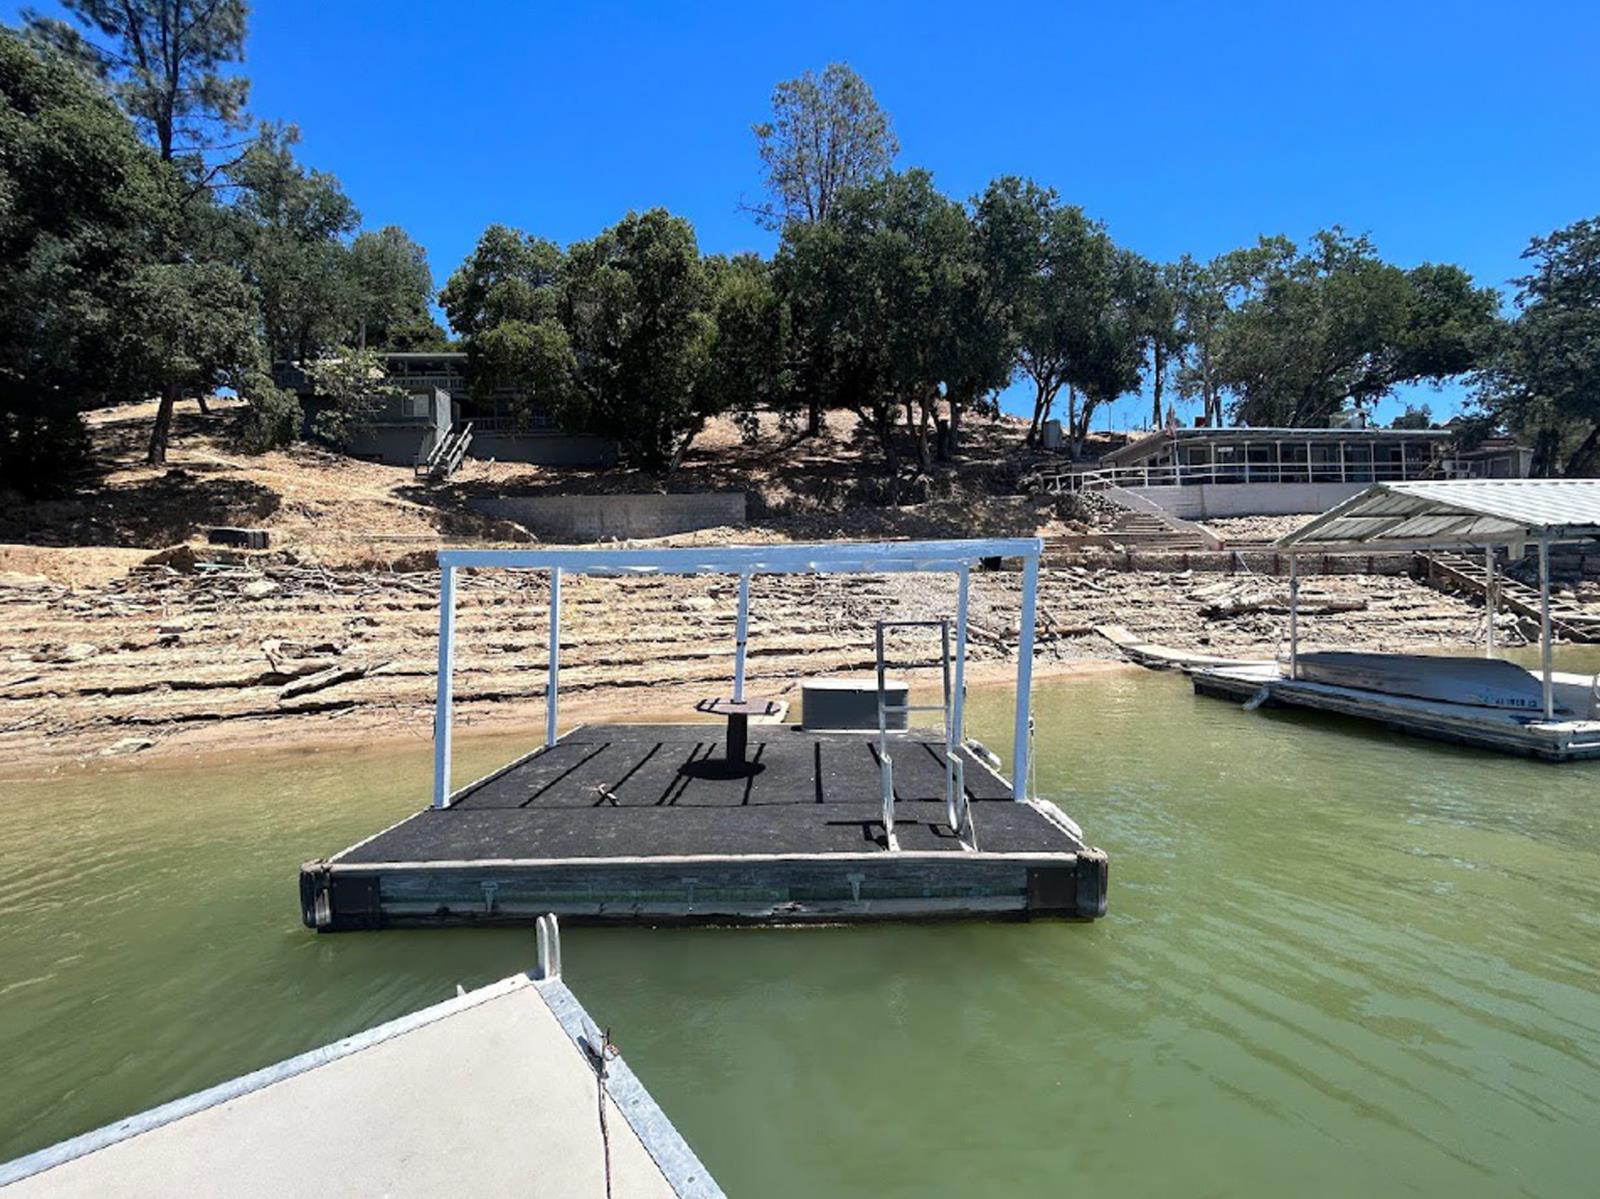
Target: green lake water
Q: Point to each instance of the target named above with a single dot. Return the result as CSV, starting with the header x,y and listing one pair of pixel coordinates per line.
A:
x,y
1337,962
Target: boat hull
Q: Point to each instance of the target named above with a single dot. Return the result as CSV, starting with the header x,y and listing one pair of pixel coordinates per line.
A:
x,y
1475,682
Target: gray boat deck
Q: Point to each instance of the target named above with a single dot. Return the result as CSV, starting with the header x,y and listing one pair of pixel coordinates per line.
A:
x,y
490,1093
1507,731
648,822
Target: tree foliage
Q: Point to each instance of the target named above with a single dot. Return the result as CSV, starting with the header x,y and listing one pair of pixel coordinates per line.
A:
x,y
390,289
1311,333
1543,381
290,224
186,329
354,386
165,62
1072,296
82,208
878,294
616,337
827,134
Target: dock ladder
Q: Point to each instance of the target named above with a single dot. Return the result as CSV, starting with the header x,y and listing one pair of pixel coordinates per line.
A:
x,y
958,809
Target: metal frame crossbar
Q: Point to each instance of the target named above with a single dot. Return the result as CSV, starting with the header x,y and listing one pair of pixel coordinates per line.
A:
x,y
957,557
957,810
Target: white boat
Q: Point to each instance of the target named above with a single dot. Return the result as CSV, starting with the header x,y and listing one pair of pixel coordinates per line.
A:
x,y
1477,682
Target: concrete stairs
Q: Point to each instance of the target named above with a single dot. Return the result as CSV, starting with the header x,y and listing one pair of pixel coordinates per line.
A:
x,y
1134,524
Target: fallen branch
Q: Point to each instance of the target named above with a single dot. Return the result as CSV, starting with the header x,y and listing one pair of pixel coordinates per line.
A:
x,y
324,679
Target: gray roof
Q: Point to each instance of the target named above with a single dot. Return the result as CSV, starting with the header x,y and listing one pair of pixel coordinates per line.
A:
x,y
1453,514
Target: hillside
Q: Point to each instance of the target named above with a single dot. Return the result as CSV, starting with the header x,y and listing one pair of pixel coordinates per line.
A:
x,y
122,632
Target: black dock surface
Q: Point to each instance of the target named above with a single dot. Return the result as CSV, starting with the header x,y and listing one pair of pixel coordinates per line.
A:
x,y
601,824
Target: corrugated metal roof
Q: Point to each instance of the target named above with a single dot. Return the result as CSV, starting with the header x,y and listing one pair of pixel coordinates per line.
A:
x,y
1453,514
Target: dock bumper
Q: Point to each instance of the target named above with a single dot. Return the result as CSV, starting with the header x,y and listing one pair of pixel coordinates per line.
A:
x,y
1076,892
339,900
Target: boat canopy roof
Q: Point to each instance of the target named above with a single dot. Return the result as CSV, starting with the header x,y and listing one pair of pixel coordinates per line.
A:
x,y
1453,514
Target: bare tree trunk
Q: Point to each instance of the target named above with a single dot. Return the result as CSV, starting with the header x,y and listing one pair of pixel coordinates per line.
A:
x,y
919,432
205,409
952,436
1159,362
814,416
1044,399
163,426
1581,461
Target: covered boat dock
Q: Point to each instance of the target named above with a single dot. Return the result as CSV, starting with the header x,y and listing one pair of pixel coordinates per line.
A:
x,y
1484,701
736,821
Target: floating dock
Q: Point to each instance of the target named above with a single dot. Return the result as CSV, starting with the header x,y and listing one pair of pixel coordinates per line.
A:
x,y
506,1090
649,823
1558,740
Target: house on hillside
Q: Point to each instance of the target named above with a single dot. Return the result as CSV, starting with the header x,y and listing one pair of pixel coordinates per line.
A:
x,y
1208,472
407,429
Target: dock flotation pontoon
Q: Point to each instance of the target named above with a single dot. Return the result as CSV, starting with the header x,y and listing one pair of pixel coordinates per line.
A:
x,y
767,823
1486,702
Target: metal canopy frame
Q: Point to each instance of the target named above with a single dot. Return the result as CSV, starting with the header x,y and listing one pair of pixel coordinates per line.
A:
x,y
1477,514
746,561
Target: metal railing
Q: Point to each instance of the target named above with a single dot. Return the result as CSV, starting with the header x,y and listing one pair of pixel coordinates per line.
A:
x,y
1193,474
957,808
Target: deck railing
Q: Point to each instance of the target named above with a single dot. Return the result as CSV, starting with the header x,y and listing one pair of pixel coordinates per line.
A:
x,y
1194,474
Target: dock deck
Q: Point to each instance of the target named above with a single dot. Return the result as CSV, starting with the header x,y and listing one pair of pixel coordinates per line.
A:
x,y
648,823
1560,740
489,1093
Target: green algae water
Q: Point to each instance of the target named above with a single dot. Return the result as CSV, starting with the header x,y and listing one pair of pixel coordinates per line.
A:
x,y
1337,961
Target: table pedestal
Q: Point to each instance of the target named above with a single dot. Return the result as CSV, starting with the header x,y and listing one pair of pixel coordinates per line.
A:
x,y
738,737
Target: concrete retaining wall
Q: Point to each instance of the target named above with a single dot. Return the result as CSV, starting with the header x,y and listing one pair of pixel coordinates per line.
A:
x,y
1241,562
597,517
1203,501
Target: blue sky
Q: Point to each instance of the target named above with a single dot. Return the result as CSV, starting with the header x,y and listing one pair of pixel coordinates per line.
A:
x,y
1449,132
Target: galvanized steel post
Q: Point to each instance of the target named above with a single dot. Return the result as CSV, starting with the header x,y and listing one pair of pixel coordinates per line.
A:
x,y
1019,750
551,699
441,701
1488,601
1294,617
1544,627
741,633
959,717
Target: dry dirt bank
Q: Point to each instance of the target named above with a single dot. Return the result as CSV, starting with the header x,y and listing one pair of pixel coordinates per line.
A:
x,y
106,650
164,659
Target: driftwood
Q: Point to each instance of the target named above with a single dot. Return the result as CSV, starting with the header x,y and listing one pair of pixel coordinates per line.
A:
x,y
1249,604
324,679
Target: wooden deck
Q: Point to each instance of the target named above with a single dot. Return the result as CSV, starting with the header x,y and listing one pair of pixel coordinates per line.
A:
x,y
1487,728
647,823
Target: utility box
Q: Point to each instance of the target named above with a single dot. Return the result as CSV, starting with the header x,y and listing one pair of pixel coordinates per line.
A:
x,y
850,703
